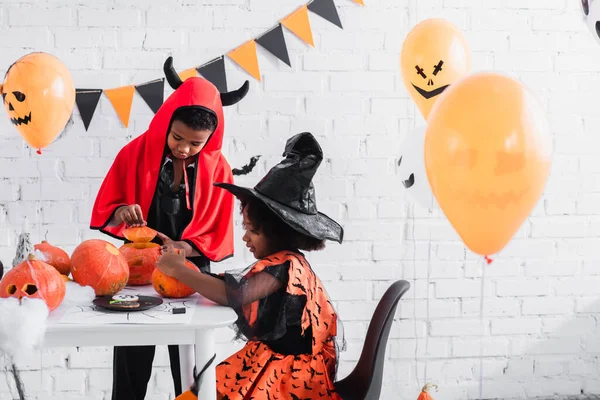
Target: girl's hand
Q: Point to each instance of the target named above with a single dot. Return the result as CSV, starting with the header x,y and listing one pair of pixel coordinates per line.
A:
x,y
171,261
183,247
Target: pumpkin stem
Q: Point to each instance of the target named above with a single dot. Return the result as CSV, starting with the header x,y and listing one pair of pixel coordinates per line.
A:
x,y
44,241
31,257
429,386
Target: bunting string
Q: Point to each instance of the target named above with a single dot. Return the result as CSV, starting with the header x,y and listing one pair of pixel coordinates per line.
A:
x,y
245,56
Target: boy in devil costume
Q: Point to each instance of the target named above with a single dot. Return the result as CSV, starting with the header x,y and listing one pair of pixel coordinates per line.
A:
x,y
283,310
167,176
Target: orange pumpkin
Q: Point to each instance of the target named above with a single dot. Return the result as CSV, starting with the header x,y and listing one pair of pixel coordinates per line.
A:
x,y
140,234
168,286
99,264
55,256
34,279
141,258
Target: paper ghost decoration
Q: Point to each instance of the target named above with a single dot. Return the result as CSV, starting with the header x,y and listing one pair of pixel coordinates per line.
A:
x,y
411,168
591,15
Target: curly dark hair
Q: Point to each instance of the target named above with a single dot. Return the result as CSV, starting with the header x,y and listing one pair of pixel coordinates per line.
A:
x,y
196,118
283,236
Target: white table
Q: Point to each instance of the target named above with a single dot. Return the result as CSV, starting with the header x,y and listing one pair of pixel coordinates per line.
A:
x,y
197,335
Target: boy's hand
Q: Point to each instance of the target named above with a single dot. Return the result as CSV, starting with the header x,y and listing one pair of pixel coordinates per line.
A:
x,y
131,215
170,261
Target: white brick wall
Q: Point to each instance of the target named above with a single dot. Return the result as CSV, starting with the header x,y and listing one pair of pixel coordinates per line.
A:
x,y
542,293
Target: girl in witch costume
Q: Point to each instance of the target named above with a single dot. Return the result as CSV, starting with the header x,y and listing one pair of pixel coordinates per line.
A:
x,y
283,310
167,175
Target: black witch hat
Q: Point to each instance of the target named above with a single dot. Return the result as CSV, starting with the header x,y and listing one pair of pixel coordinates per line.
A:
x,y
288,191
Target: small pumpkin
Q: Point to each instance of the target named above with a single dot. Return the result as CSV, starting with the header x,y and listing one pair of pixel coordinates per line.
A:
x,y
425,391
139,234
35,279
99,264
55,256
141,258
168,286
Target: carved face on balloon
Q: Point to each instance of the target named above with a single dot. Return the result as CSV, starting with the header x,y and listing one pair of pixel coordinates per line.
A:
x,y
591,15
434,55
38,95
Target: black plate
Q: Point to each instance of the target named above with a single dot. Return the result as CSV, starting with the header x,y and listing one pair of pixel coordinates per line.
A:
x,y
146,303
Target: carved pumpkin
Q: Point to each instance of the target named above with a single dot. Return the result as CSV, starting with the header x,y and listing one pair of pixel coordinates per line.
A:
x,y
141,255
168,286
55,256
140,234
35,279
99,264
141,258
39,95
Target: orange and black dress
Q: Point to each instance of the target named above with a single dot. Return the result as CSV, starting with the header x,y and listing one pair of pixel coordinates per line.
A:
x,y
291,333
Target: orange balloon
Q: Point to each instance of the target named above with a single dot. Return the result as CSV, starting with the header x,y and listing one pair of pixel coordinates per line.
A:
x,y
488,150
435,54
39,96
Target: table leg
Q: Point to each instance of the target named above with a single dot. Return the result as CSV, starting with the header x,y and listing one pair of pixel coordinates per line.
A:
x,y
186,362
205,349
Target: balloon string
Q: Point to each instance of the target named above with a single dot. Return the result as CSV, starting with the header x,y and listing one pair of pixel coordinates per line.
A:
x,y
411,213
483,268
427,310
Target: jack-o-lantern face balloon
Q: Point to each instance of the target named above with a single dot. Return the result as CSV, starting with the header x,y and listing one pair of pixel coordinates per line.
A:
x,y
38,95
434,55
488,150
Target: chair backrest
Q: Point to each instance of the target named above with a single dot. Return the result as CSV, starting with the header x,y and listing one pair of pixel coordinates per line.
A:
x,y
364,382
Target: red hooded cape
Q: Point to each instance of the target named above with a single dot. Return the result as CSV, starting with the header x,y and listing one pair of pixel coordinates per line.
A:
x,y
133,177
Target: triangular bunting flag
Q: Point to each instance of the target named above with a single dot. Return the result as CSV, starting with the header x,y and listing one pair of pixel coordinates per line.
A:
x,y
153,93
121,99
188,73
361,2
299,24
326,9
87,100
214,71
245,56
274,42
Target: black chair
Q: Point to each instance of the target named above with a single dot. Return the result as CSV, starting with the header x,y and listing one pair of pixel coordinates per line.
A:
x,y
364,382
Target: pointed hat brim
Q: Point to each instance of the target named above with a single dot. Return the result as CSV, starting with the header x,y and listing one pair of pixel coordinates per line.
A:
x,y
318,226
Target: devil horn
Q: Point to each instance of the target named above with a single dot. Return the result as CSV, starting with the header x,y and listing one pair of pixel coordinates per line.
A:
x,y
171,75
230,98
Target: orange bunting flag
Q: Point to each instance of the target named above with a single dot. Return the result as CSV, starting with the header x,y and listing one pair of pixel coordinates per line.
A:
x,y
245,56
299,24
121,99
361,2
188,73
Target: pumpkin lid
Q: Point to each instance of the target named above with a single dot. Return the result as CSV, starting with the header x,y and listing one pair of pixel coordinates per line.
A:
x,y
141,234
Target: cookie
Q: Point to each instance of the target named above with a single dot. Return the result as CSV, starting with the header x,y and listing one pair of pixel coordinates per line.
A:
x,y
125,297
125,301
